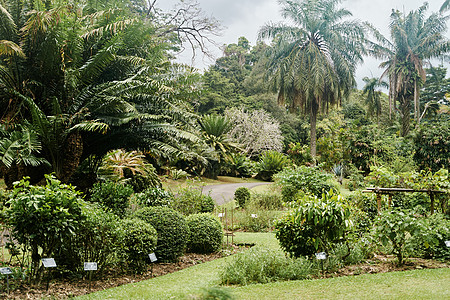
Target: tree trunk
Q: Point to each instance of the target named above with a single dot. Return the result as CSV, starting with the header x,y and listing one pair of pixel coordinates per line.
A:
x,y
406,110
72,153
417,102
313,121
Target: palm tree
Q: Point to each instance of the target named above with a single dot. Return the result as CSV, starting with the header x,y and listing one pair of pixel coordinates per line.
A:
x,y
414,40
313,63
373,97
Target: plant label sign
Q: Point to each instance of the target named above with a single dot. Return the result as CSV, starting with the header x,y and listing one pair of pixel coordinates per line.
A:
x,y
5,271
49,262
221,215
90,266
152,257
321,255
447,243
254,215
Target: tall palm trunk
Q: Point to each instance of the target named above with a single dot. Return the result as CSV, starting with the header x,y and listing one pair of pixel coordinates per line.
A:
x,y
405,107
313,121
416,103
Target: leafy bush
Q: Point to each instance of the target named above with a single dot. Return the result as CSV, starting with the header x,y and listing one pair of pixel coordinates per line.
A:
x,y
238,165
191,200
397,226
43,218
300,154
154,197
306,179
432,146
141,182
431,243
97,239
262,266
266,200
138,239
172,231
205,233
270,163
315,225
113,196
242,195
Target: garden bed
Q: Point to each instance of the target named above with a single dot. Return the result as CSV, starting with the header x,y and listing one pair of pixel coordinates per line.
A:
x,y
61,289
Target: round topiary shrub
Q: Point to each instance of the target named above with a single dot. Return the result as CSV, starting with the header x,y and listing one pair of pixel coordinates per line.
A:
x,y
207,204
113,196
154,197
206,233
242,196
172,231
137,238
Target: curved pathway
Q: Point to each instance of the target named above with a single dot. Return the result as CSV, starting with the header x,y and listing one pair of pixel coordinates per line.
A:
x,y
223,193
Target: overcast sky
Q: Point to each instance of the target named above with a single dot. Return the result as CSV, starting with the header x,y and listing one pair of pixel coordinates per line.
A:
x,y
245,18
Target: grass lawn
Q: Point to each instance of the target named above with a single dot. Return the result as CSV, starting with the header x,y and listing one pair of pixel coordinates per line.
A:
x,y
185,284
418,284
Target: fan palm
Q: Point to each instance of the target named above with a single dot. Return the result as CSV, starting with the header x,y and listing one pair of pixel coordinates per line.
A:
x,y
414,40
313,63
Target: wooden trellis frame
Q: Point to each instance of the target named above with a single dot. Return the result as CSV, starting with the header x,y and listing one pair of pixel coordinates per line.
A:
x,y
389,191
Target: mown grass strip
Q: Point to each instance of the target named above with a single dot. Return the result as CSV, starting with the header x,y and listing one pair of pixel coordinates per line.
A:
x,y
417,284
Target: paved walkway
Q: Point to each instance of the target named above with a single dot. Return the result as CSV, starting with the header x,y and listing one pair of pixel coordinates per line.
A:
x,y
223,193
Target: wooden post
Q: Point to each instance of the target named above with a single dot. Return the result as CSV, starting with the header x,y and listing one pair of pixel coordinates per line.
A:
x,y
379,202
390,200
432,202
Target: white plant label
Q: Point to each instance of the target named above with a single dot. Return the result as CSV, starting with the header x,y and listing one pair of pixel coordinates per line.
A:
x,y
152,257
49,262
90,266
321,255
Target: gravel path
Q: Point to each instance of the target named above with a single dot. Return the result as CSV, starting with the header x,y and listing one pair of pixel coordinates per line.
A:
x,y
223,193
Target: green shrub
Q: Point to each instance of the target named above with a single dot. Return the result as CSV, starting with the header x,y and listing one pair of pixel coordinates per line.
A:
x,y
141,182
306,179
238,165
262,266
266,200
96,239
432,146
191,200
315,225
431,243
270,163
172,231
242,195
154,197
43,218
300,154
205,233
113,196
137,239
396,227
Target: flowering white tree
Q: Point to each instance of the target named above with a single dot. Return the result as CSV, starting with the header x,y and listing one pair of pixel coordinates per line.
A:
x,y
255,131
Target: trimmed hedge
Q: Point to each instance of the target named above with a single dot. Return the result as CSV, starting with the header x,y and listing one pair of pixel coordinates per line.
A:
x,y
205,233
172,231
138,239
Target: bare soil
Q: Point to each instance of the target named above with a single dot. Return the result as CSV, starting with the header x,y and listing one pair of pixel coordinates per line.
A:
x,y
63,288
